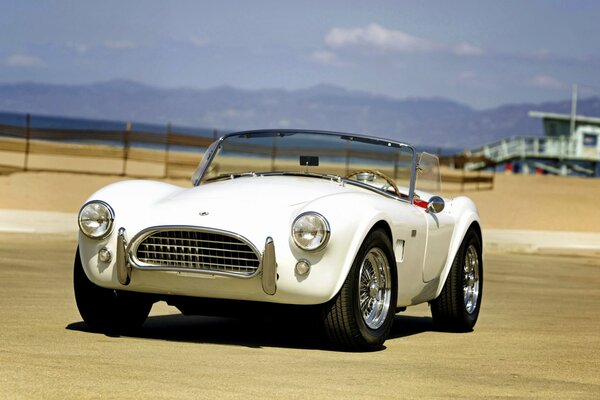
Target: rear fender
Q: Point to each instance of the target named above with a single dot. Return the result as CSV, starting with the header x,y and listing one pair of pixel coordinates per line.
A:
x,y
468,217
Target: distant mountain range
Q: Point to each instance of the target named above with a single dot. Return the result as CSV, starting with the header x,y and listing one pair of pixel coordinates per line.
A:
x,y
425,121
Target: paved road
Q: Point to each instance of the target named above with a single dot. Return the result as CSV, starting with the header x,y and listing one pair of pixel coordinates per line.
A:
x,y
538,336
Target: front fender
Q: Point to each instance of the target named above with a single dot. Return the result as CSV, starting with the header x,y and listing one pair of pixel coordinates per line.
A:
x,y
349,229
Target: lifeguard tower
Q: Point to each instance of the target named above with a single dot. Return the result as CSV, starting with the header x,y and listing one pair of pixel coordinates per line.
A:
x,y
570,146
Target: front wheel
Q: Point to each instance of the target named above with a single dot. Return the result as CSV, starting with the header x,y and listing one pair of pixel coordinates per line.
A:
x,y
457,306
360,316
108,310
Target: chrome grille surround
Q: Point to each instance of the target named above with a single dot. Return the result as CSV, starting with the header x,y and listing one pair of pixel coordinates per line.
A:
x,y
194,249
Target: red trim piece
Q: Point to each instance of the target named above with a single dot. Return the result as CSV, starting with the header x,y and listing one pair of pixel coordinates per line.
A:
x,y
420,203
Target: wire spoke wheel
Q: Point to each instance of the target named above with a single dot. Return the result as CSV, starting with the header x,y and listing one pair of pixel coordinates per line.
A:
x,y
471,279
361,315
374,289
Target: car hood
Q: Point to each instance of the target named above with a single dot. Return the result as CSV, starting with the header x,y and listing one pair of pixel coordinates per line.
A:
x,y
256,192
255,205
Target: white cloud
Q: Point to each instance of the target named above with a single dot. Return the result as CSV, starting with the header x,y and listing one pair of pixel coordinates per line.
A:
x,y
375,36
119,44
23,60
78,47
199,41
327,57
547,82
467,49
473,79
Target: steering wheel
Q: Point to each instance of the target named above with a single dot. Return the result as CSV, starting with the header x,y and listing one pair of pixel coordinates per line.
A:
x,y
379,174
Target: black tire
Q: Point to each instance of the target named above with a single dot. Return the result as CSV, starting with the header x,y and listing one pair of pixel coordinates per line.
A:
x,y
457,307
108,310
345,324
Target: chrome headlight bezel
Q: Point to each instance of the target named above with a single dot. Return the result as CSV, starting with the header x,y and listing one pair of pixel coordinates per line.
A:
x,y
106,214
320,228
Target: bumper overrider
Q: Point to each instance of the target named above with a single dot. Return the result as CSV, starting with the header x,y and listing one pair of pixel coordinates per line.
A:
x,y
158,256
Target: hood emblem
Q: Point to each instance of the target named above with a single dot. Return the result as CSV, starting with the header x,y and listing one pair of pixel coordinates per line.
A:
x,y
203,213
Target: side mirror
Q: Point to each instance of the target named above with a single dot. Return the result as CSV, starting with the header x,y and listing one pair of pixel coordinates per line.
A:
x,y
436,204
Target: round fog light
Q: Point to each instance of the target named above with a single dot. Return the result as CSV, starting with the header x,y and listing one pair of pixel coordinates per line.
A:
x,y
302,267
104,255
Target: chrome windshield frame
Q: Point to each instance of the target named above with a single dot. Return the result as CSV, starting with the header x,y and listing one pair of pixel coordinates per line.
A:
x,y
213,148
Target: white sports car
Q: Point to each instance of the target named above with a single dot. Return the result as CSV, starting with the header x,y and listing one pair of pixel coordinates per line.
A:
x,y
341,223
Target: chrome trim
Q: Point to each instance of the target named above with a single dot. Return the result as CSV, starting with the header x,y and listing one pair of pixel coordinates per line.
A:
x,y
436,205
376,190
123,266
269,268
413,176
212,151
327,230
112,219
142,235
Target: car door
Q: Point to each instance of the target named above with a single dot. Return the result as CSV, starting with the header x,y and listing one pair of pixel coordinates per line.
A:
x,y
439,233
439,225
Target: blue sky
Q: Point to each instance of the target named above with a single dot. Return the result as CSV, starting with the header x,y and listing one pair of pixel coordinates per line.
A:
x,y
482,53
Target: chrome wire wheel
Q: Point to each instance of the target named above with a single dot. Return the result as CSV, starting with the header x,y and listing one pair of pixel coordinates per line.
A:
x,y
471,279
374,288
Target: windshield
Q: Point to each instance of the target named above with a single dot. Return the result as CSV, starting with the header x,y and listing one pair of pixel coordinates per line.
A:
x,y
374,162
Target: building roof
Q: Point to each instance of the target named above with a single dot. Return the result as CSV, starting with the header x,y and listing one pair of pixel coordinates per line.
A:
x,y
565,117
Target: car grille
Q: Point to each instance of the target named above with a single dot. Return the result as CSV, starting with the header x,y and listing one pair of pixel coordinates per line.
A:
x,y
197,250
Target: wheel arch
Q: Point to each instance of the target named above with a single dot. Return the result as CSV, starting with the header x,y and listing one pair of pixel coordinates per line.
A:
x,y
384,226
467,221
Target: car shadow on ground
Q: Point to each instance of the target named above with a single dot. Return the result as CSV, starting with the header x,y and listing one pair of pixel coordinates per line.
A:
x,y
301,333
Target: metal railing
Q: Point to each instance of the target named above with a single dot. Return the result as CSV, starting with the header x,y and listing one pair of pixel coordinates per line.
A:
x,y
522,147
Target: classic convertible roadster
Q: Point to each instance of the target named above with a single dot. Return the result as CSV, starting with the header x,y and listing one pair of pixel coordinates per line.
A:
x,y
342,223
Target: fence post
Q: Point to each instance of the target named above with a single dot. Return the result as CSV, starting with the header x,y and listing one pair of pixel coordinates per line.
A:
x,y
126,147
167,150
27,139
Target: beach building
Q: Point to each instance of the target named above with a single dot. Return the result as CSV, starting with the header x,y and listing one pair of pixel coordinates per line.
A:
x,y
570,146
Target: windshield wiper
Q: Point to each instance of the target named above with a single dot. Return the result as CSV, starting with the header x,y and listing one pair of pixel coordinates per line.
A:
x,y
230,176
337,178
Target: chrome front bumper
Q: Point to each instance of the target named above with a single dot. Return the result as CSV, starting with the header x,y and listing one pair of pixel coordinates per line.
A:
x,y
268,264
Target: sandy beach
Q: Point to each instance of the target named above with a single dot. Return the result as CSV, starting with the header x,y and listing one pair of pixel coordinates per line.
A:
x,y
515,202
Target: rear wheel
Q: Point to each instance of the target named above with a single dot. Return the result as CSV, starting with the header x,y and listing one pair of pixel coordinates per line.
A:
x,y
457,306
108,310
360,316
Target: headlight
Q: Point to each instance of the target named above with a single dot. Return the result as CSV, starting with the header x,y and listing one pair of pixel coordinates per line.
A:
x,y
310,231
96,219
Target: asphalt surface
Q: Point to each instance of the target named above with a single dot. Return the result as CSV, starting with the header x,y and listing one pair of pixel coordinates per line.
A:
x,y
537,337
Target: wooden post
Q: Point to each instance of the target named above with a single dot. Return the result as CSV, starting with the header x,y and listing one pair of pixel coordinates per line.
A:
x,y
126,147
27,139
347,157
273,153
167,150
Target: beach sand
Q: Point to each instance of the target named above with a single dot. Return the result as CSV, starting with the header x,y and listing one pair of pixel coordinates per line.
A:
x,y
515,202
